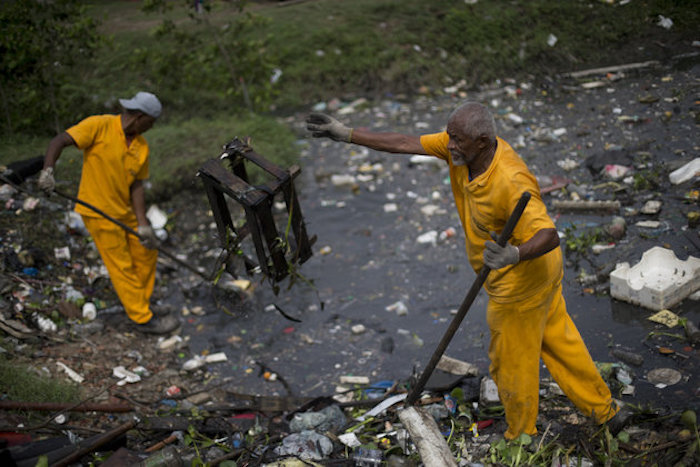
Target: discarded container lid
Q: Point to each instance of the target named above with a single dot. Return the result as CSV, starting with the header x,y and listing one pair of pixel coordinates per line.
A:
x,y
662,377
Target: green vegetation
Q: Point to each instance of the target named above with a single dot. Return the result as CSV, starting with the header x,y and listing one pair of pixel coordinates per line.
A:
x,y
236,66
21,383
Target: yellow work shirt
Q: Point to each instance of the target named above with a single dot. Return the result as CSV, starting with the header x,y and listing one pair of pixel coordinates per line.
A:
x,y
109,166
485,204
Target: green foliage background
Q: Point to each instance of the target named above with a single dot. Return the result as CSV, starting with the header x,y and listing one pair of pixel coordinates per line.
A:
x,y
238,66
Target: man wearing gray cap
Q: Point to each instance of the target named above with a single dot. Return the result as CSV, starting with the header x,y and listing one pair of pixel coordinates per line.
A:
x,y
115,164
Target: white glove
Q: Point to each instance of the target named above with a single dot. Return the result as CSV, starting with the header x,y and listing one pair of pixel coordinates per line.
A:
x,y
46,180
322,125
497,257
148,237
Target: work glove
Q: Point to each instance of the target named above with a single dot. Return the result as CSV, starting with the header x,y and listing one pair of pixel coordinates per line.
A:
x,y
322,125
148,237
46,180
497,257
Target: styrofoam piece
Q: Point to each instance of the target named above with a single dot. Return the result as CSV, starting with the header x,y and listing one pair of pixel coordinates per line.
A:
x,y
659,281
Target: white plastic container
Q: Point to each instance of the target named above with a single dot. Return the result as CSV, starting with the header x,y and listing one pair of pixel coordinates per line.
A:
x,y
659,281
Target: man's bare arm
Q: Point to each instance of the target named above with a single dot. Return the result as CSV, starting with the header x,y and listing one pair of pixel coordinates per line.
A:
x,y
397,143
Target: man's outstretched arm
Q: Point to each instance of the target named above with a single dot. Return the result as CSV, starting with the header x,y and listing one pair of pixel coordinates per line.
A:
x,y
322,125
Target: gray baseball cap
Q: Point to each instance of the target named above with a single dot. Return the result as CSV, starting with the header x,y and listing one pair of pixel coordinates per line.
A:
x,y
145,102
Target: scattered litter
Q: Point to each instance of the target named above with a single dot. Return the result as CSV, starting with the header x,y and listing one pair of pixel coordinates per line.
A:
x,y
350,440
358,329
648,224
686,172
71,373
628,357
662,377
125,376
62,253
172,341
552,40
447,233
307,445
599,248
617,227
664,22
616,171
660,280
89,311
346,379
488,394
651,207
343,180
30,203
428,237
456,367
198,361
398,307
665,317
382,406
331,418
390,207
44,323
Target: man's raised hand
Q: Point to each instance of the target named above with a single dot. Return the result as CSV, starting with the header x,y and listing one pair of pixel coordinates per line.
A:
x,y
324,126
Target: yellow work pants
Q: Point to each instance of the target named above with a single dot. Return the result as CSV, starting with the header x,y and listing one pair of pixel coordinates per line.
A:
x,y
131,266
524,331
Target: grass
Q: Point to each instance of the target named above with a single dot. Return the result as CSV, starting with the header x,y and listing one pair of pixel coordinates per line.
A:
x,y
327,49
21,383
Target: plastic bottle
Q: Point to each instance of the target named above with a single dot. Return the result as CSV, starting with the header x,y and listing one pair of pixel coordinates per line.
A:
x,y
89,311
367,457
166,457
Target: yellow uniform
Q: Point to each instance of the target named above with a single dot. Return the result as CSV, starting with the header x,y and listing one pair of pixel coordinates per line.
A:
x,y
110,167
526,312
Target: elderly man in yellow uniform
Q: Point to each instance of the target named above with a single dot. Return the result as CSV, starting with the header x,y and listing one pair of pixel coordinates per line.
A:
x,y
115,164
526,312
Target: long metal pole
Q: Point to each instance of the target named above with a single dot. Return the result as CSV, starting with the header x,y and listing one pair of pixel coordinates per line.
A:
x,y
132,232
466,303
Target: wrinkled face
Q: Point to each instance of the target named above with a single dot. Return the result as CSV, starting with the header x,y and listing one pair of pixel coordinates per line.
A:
x,y
463,149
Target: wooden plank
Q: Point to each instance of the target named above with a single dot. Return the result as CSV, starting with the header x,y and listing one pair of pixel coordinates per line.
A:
x,y
272,236
432,447
232,185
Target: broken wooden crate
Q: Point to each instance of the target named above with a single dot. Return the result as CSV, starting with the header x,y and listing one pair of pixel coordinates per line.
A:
x,y
277,250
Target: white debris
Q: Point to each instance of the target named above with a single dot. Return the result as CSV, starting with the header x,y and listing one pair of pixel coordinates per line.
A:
x,y
125,376
428,237
686,172
71,373
398,307
664,22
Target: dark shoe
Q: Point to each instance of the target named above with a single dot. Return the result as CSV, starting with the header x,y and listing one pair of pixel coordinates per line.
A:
x,y
622,419
162,309
158,325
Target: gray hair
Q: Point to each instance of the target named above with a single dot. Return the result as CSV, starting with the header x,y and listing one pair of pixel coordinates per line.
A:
x,y
475,120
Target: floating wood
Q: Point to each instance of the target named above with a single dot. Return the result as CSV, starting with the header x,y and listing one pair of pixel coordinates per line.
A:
x,y
276,250
585,205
